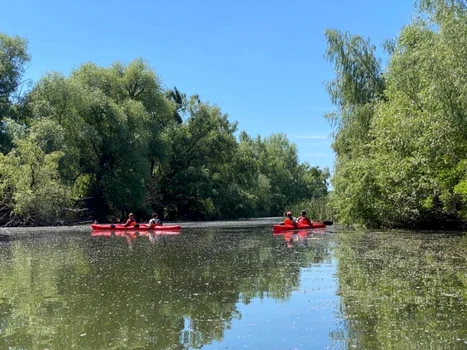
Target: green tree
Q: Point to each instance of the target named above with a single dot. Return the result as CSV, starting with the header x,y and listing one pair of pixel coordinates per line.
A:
x,y
270,176
355,90
112,118
401,148
200,149
13,59
180,101
31,190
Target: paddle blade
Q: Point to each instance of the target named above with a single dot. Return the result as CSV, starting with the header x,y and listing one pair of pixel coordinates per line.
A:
x,y
327,223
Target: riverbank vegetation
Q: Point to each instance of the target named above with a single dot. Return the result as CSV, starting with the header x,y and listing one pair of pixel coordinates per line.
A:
x,y
104,141
401,131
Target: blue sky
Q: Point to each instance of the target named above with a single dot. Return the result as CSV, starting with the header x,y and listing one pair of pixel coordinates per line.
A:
x,y
261,61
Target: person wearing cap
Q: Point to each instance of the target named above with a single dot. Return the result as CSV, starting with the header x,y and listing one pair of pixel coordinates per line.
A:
x,y
303,219
131,221
290,220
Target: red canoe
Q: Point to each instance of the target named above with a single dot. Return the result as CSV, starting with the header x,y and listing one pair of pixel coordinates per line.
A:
x,y
109,233
283,228
138,227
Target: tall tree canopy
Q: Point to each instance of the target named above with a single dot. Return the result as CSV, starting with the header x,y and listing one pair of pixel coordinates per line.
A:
x,y
13,59
104,141
401,134
112,119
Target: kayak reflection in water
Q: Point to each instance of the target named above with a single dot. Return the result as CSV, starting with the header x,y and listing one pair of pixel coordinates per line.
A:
x,y
300,237
296,238
131,237
153,237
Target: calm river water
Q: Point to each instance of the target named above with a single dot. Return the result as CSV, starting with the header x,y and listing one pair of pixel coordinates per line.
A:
x,y
233,286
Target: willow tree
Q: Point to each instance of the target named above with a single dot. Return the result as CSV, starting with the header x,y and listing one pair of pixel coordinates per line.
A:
x,y
401,136
195,175
31,190
357,87
420,133
270,177
112,118
14,56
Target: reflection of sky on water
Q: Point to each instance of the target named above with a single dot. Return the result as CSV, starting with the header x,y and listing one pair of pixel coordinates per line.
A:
x,y
304,321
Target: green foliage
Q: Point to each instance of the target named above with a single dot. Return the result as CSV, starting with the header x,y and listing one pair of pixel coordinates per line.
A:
x,y
400,150
13,58
112,119
180,101
31,190
274,175
359,80
212,175
200,149
110,140
317,209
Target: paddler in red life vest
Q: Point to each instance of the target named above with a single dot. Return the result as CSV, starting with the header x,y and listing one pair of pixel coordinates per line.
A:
x,y
131,221
303,219
290,220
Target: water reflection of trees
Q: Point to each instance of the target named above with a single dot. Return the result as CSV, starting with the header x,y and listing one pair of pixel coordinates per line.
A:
x,y
181,292
403,291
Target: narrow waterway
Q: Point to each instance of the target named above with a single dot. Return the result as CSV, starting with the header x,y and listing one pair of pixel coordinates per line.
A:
x,y
232,285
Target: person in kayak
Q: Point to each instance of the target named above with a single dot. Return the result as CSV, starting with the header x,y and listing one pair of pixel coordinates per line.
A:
x,y
155,220
131,221
290,220
303,219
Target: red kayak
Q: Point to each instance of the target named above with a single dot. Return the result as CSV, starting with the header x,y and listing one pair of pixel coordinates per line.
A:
x,y
109,233
283,228
138,227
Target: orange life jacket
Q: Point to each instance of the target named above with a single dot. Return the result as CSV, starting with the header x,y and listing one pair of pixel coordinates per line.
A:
x,y
304,220
287,221
130,222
